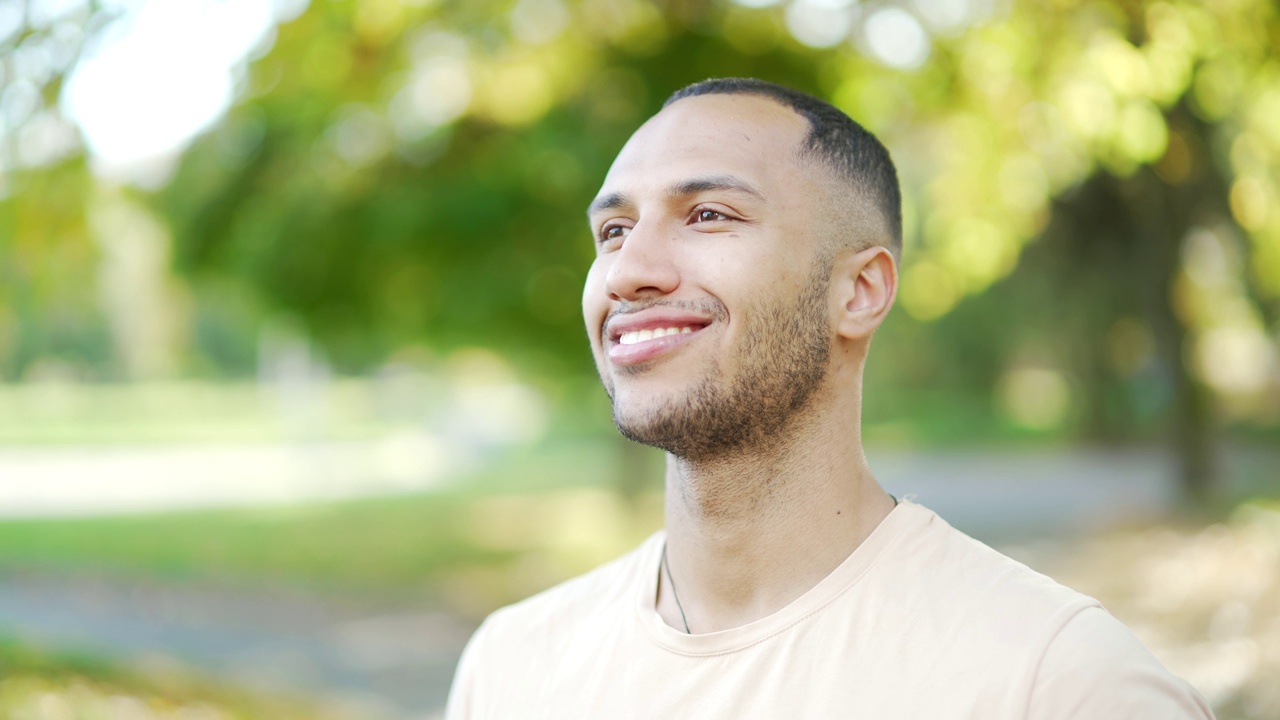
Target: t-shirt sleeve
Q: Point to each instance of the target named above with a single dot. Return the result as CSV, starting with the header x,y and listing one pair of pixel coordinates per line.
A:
x,y
465,692
1096,669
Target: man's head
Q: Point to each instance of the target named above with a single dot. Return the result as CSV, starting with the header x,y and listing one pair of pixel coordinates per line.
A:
x,y
745,239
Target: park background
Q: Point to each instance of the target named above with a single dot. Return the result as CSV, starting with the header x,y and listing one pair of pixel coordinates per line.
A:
x,y
293,381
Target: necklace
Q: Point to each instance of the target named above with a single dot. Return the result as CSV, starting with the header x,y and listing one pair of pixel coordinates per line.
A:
x,y
674,594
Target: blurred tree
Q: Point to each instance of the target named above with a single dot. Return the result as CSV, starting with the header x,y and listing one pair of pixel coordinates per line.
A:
x,y
48,307
397,172
1145,123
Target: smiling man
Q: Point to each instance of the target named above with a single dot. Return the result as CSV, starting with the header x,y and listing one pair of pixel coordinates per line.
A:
x,y
747,240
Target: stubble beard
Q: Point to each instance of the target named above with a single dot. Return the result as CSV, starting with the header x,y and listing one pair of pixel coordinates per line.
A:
x,y
784,356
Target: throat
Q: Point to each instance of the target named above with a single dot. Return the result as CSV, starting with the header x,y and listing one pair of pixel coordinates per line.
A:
x,y
729,492
743,543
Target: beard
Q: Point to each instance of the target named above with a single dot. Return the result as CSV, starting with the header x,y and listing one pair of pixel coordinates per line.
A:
x,y
782,361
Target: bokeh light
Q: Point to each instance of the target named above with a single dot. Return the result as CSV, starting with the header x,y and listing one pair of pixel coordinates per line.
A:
x,y
896,38
156,78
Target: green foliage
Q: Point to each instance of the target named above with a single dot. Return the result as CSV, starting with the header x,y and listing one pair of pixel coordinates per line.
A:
x,y
397,174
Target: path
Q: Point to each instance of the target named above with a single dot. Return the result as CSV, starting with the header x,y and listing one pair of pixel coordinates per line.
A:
x,y
384,666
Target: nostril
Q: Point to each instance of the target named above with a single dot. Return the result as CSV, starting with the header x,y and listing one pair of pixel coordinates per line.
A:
x,y
638,293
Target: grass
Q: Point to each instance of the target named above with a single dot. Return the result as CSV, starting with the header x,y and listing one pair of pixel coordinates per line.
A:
x,y
518,525
185,411
39,684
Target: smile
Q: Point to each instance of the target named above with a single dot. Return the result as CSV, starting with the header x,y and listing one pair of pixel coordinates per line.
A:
x,y
635,338
639,336
635,347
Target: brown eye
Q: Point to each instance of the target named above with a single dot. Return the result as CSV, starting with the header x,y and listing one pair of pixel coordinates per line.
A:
x,y
710,216
612,232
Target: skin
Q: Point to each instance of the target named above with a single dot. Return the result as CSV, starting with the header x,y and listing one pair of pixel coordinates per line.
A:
x,y
711,217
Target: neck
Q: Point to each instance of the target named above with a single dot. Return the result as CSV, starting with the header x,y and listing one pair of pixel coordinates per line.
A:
x,y
747,535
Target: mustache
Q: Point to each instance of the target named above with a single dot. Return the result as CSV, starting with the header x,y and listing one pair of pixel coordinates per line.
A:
x,y
706,306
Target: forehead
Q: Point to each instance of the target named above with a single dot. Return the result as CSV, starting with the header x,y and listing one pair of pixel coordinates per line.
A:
x,y
746,136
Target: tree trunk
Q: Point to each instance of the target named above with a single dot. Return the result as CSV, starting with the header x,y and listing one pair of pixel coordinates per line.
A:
x,y
1161,216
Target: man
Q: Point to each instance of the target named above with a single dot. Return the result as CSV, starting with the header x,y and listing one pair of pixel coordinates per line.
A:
x,y
746,239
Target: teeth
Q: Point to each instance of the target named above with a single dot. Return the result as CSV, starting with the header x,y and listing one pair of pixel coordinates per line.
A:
x,y
639,336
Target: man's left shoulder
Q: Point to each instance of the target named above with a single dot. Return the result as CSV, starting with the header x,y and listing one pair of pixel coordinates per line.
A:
x,y
1075,659
1096,667
983,604
981,583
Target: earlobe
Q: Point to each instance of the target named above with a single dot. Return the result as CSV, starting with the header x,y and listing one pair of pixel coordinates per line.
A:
x,y
868,280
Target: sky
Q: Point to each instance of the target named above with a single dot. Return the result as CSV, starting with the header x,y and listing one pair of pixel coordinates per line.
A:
x,y
164,71
160,74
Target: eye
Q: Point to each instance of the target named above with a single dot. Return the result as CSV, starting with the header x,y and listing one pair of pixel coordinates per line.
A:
x,y
709,216
612,232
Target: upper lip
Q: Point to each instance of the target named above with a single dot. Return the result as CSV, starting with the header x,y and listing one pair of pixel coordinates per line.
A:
x,y
652,318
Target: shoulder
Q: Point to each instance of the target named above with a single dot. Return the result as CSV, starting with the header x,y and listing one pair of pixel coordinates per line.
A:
x,y
1071,658
988,615
939,561
1095,667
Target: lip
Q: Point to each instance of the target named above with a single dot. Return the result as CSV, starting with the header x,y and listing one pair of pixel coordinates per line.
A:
x,y
628,355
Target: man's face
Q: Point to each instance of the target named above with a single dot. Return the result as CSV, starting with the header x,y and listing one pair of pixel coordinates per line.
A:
x,y
707,304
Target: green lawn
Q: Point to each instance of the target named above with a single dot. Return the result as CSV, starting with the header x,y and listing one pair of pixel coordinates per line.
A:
x,y
185,411
38,684
523,522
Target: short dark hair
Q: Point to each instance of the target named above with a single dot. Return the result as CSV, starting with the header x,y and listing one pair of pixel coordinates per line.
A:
x,y
834,138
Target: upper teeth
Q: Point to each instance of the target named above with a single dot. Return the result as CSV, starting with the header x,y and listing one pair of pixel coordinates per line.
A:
x,y
636,336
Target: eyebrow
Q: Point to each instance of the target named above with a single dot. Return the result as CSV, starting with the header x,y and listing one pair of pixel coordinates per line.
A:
x,y
612,201
729,183
718,182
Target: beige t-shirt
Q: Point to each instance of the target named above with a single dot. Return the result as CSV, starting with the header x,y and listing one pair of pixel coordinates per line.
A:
x,y
921,622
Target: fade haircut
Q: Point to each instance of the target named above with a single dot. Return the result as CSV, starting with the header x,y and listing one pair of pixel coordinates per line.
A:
x,y
834,139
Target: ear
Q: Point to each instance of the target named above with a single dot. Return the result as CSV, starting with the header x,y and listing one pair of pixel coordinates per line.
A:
x,y
867,283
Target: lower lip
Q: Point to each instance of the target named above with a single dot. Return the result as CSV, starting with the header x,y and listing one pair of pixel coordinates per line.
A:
x,y
626,355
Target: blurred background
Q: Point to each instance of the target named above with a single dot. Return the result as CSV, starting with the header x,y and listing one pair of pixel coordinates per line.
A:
x,y
293,383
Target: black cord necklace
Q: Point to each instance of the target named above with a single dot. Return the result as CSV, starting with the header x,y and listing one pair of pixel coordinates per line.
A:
x,y
674,594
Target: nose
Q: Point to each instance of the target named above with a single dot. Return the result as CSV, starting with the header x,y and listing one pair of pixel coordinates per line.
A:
x,y
645,265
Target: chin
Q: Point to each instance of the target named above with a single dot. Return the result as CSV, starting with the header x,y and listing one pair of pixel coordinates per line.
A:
x,y
630,416
667,426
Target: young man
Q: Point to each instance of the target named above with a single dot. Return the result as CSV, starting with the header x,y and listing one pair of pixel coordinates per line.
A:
x,y
747,240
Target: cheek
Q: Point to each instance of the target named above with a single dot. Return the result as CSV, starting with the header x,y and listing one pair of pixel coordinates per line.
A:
x,y
595,300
